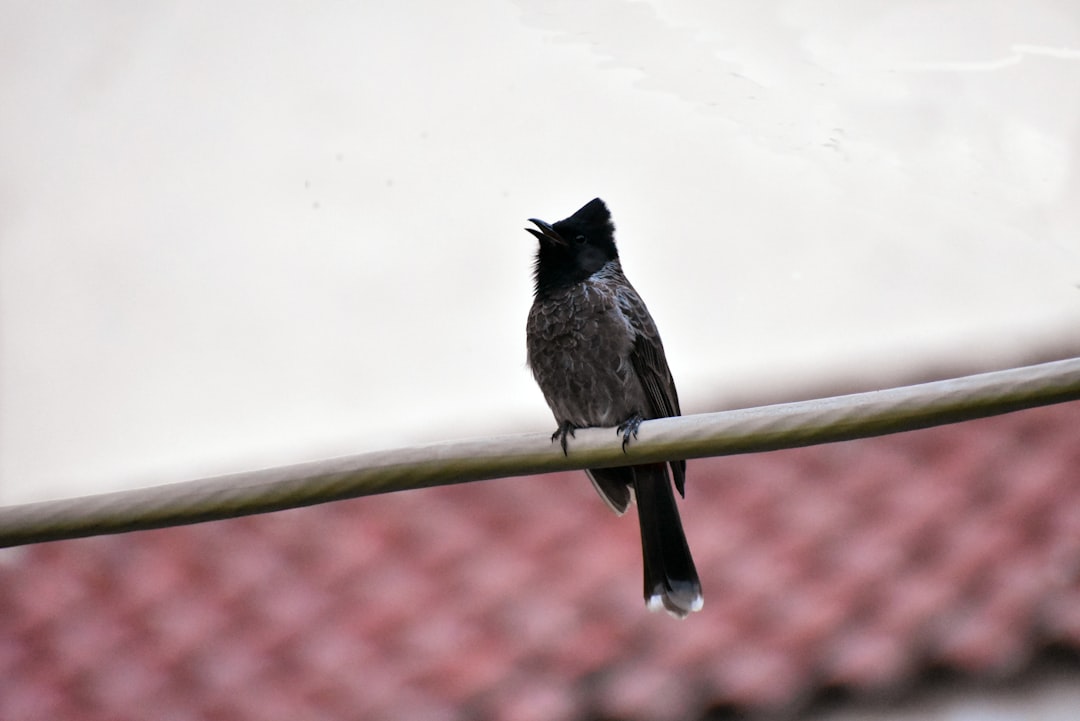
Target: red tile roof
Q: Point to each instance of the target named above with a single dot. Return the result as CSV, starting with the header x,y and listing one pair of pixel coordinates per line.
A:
x,y
848,565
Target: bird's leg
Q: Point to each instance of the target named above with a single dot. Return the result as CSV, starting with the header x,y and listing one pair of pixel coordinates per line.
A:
x,y
629,428
566,428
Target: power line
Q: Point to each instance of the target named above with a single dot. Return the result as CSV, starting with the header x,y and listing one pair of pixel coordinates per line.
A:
x,y
750,430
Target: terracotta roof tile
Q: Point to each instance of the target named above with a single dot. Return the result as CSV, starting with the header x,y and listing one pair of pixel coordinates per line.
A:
x,y
853,565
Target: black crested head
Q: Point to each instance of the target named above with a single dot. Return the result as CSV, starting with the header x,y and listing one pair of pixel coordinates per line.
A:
x,y
573,248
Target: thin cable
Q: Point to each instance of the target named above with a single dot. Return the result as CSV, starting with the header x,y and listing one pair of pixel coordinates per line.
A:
x,y
750,430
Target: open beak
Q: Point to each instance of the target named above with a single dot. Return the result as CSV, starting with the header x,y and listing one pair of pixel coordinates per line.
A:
x,y
546,232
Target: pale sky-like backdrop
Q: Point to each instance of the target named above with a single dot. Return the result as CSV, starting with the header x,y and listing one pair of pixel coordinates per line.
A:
x,y
234,235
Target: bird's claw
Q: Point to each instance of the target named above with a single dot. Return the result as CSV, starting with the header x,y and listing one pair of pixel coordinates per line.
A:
x,y
628,428
566,428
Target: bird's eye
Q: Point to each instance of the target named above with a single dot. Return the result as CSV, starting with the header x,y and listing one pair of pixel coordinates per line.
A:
x,y
579,240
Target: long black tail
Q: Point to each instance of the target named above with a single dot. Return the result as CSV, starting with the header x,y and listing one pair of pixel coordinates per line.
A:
x,y
671,581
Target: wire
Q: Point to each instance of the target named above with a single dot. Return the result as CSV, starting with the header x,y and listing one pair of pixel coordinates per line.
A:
x,y
749,430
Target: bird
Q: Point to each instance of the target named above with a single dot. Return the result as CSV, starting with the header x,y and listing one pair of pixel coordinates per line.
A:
x,y
596,354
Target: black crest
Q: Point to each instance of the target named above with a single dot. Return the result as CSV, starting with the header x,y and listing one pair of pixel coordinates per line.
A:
x,y
574,248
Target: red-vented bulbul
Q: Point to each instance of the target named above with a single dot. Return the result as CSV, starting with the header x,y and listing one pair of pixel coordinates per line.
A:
x,y
596,355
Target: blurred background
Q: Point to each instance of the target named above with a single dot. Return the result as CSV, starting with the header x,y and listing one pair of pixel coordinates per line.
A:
x,y
242,235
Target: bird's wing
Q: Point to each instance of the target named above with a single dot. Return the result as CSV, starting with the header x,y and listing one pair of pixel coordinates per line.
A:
x,y
647,357
613,485
650,365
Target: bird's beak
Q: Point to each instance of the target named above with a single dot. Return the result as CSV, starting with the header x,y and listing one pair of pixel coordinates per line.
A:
x,y
546,232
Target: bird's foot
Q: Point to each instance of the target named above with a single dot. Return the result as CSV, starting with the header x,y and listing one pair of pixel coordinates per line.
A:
x,y
629,428
566,428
